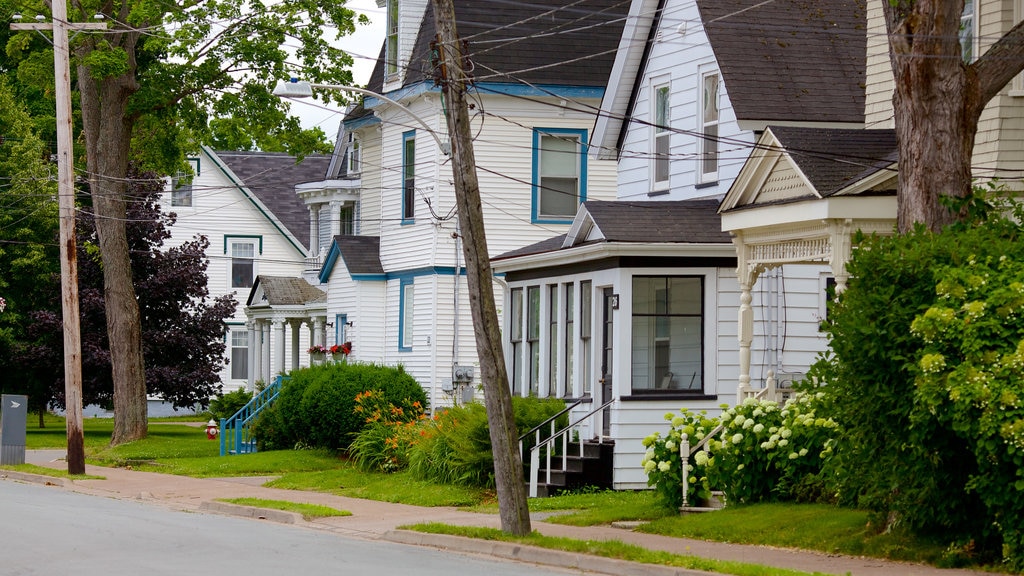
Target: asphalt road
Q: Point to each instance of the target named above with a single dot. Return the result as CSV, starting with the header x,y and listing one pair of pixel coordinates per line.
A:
x,y
47,531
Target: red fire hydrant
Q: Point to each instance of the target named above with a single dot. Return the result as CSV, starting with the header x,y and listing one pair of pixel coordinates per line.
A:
x,y
212,429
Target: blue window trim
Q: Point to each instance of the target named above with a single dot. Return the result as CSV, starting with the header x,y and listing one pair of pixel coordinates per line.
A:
x,y
340,327
406,136
403,284
535,201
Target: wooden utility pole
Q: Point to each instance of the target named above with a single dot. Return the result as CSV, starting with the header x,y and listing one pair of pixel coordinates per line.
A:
x,y
508,467
68,249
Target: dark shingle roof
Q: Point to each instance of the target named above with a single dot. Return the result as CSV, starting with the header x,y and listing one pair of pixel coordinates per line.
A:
x,y
361,254
674,222
272,178
790,59
289,291
679,221
833,159
564,42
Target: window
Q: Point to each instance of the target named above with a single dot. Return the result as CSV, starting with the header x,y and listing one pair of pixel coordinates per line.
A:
x,y
585,339
968,24
405,314
552,339
354,154
347,218
181,195
708,159
243,263
340,328
559,179
533,336
391,54
570,309
239,354
516,337
660,145
668,334
408,176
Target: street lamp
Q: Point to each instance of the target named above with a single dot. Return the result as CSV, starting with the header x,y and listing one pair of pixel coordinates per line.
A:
x,y
296,88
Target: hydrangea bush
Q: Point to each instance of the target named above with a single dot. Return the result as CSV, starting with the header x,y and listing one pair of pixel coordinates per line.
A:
x,y
763,452
663,463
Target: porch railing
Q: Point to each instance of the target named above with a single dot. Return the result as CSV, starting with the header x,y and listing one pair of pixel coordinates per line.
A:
x,y
562,435
236,432
536,430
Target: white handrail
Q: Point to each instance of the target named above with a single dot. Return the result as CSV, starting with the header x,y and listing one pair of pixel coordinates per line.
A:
x,y
564,435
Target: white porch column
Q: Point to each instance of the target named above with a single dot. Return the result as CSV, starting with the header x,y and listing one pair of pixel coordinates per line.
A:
x,y
257,351
295,325
250,353
314,229
747,276
318,332
279,355
842,249
266,347
335,216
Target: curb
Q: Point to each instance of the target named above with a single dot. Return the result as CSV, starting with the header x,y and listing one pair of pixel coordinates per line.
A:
x,y
33,478
279,516
536,555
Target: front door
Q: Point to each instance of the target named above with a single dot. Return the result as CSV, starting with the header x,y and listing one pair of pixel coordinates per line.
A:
x,y
607,344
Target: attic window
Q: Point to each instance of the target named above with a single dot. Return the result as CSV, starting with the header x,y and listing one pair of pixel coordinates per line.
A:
x,y
354,154
391,53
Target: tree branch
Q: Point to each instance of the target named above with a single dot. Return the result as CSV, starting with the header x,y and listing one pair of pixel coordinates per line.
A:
x,y
1000,63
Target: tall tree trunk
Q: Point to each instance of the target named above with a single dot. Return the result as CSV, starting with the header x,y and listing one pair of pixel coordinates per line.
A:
x,y
938,101
508,468
108,127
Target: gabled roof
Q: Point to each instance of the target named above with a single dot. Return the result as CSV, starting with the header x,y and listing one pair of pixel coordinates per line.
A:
x,y
360,254
652,222
554,42
269,179
283,291
791,164
783,60
790,60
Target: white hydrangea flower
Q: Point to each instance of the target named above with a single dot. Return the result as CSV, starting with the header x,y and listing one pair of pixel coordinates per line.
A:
x,y
670,445
737,438
758,428
649,466
664,466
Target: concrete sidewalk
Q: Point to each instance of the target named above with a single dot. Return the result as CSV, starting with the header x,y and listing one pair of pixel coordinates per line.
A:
x,y
380,520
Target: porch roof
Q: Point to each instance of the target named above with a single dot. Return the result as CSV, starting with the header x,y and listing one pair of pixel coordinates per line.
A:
x,y
284,291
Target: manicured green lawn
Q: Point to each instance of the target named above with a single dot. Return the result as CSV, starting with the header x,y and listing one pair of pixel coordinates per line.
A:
x,y
308,511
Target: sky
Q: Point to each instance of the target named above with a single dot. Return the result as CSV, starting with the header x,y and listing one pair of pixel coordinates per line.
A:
x,y
364,46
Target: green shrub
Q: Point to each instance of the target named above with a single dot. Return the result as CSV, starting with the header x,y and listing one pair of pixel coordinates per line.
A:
x,y
226,405
383,445
894,455
664,465
454,447
316,405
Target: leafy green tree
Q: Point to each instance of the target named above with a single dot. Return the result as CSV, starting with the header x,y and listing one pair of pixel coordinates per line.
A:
x,y
162,78
28,249
183,327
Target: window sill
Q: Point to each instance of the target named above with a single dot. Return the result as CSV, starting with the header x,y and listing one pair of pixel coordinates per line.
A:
x,y
654,193
710,184
667,395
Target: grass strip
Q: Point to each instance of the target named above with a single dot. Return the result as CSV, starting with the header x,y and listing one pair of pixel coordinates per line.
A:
x,y
308,511
52,472
611,549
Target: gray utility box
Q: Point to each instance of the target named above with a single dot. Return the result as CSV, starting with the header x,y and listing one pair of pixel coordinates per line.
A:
x,y
13,419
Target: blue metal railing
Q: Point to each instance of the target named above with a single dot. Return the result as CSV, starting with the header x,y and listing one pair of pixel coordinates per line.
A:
x,y
236,431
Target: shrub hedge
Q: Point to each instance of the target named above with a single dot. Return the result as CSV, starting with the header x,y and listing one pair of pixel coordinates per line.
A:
x,y
316,405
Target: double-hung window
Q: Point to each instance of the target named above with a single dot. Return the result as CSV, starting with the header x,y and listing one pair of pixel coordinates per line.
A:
x,y
668,334
354,155
181,186
660,138
391,52
239,354
570,309
408,176
559,179
242,252
406,315
552,339
586,342
709,102
533,337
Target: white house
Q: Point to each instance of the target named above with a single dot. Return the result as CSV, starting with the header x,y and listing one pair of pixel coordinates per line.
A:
x,y
393,270
245,204
638,303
